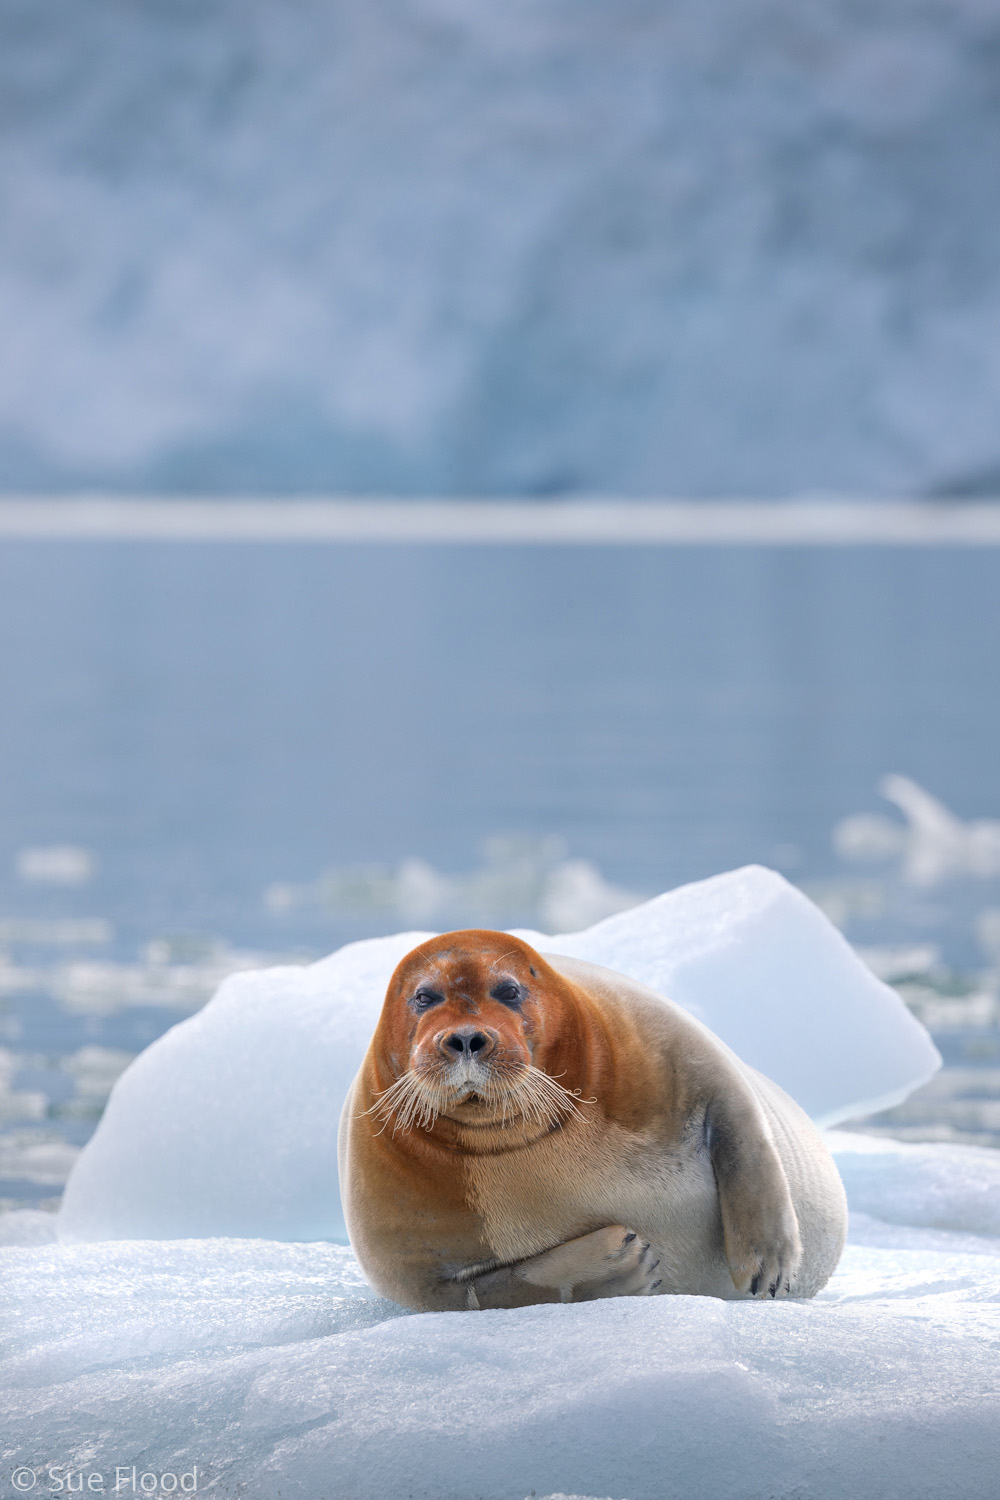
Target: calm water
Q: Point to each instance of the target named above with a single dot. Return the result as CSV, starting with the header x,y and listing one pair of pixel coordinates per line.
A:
x,y
269,750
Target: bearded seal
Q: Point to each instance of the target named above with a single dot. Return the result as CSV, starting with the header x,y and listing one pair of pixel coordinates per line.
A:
x,y
529,1128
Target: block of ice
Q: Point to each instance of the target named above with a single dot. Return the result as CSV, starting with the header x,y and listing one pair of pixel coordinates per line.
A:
x,y
227,1125
758,962
271,1368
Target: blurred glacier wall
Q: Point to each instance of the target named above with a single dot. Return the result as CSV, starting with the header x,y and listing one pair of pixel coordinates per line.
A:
x,y
634,246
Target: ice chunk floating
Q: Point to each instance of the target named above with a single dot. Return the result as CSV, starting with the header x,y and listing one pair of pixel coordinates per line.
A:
x,y
227,1125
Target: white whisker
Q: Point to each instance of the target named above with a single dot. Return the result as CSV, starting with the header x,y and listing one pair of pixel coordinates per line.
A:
x,y
514,1090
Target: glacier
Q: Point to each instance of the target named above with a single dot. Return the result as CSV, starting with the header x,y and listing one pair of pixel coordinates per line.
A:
x,y
227,1124
436,246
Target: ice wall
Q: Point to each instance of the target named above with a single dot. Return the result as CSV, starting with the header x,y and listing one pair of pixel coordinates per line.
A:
x,y
227,1124
744,247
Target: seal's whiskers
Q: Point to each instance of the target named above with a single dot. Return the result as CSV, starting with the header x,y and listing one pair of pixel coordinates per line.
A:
x,y
536,1096
412,1100
525,1092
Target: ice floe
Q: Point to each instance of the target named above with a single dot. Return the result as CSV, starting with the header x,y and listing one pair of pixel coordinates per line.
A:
x,y
270,1368
250,1365
933,845
161,979
521,878
55,864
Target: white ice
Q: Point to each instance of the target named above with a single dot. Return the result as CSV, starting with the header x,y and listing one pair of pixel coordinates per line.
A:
x,y
933,846
227,1124
55,864
520,874
270,1368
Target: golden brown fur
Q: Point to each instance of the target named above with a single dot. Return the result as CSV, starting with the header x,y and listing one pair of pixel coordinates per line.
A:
x,y
525,1129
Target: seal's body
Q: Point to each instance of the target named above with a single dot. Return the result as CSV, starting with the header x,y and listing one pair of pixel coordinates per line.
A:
x,y
529,1129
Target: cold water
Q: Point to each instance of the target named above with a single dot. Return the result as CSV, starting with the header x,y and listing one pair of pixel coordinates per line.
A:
x,y
217,755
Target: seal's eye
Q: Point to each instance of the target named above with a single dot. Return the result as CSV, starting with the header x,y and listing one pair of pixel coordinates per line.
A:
x,y
508,992
424,999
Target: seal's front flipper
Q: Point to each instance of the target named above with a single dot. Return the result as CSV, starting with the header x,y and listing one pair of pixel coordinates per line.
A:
x,y
609,1262
759,1225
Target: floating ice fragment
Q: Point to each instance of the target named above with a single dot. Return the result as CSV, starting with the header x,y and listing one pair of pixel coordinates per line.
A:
x,y
934,845
57,864
94,1071
89,987
18,1104
988,932
576,895
894,964
522,878
228,1123
64,932
36,1156
939,844
868,837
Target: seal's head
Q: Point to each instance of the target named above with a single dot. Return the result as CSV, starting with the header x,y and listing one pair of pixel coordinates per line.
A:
x,y
470,1033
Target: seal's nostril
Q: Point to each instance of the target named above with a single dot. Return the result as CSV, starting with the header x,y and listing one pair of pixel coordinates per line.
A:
x,y
467,1043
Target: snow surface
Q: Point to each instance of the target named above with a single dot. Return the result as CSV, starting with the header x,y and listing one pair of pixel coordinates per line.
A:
x,y
271,1368
443,245
227,1124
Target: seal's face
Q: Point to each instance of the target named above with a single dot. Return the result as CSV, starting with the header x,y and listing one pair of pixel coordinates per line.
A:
x,y
462,1023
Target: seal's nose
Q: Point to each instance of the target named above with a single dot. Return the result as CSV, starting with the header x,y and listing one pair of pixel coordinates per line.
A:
x,y
467,1042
